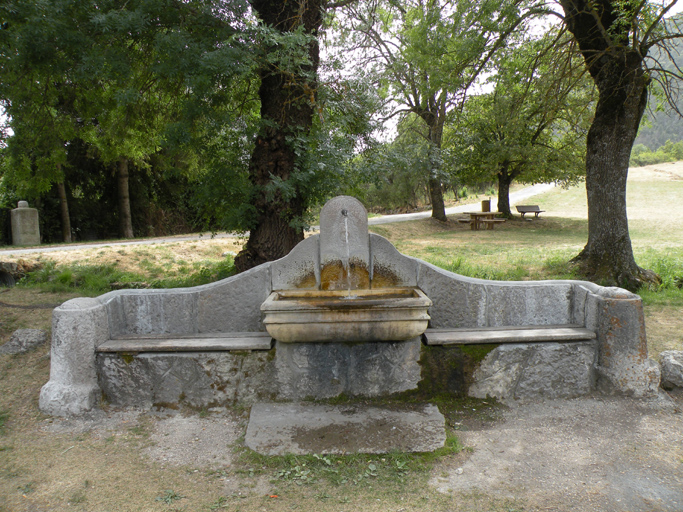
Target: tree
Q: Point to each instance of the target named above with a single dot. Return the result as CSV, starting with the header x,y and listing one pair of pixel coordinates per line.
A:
x,y
426,54
531,127
393,175
126,79
288,99
614,38
288,154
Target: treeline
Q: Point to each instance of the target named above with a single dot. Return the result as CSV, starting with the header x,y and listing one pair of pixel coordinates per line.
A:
x,y
144,120
152,117
669,152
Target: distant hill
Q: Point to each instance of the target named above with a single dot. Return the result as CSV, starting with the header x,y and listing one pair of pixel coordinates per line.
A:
x,y
658,127
664,126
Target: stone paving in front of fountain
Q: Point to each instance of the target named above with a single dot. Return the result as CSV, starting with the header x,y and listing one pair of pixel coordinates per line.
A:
x,y
308,428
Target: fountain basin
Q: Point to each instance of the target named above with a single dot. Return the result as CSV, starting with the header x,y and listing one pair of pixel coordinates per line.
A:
x,y
387,314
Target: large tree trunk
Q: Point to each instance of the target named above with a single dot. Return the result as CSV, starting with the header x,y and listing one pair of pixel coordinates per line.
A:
x,y
622,83
125,217
504,180
64,213
435,136
608,255
287,108
436,197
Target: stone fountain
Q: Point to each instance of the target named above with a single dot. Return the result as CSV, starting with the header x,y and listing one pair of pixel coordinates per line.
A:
x,y
345,313
352,300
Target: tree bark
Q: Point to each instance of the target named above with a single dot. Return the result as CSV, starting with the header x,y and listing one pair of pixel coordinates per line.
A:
x,y
608,255
64,213
504,180
619,75
125,217
435,136
287,108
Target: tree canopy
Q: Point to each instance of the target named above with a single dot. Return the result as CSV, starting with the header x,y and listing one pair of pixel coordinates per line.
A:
x,y
424,56
231,100
531,127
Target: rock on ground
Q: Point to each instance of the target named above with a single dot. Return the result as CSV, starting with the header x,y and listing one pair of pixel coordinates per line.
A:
x,y
671,362
23,340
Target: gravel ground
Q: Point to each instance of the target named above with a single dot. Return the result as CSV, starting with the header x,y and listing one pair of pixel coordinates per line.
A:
x,y
588,454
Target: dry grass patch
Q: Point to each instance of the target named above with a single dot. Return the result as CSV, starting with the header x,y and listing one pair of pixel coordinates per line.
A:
x,y
172,257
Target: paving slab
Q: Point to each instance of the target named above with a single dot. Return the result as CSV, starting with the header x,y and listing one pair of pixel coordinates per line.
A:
x,y
305,428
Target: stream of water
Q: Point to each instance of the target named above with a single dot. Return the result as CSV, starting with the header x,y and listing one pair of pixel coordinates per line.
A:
x,y
347,262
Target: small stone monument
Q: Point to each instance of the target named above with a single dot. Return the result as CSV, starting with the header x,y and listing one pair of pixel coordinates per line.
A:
x,y
25,228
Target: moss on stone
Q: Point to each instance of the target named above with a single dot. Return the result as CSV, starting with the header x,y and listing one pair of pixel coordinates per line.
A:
x,y
449,369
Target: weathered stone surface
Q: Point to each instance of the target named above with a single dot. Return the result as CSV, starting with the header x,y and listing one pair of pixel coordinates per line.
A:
x,y
671,362
544,303
23,340
25,225
579,296
479,335
325,370
344,256
197,380
344,243
536,370
300,269
158,311
278,429
206,342
390,267
233,304
391,314
623,364
78,326
457,301
8,271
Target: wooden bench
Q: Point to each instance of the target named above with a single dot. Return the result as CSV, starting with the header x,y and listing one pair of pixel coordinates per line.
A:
x,y
532,208
489,223
199,342
508,334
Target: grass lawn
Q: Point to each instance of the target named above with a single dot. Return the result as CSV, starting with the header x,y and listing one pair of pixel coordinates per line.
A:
x,y
98,470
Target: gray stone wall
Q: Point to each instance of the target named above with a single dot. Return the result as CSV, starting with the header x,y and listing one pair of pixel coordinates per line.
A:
x,y
189,379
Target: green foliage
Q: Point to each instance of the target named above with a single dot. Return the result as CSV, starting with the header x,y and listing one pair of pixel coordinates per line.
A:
x,y
169,497
87,85
392,175
354,469
423,58
4,416
669,152
532,126
668,266
97,279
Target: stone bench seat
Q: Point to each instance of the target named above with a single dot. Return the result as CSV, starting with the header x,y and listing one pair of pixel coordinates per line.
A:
x,y
508,334
198,342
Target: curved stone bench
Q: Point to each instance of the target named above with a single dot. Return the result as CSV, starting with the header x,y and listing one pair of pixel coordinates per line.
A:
x,y
94,351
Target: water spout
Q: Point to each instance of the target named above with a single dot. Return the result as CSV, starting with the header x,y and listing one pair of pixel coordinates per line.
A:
x,y
347,262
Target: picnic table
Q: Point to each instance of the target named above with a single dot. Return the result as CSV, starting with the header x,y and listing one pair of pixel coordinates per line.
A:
x,y
478,220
